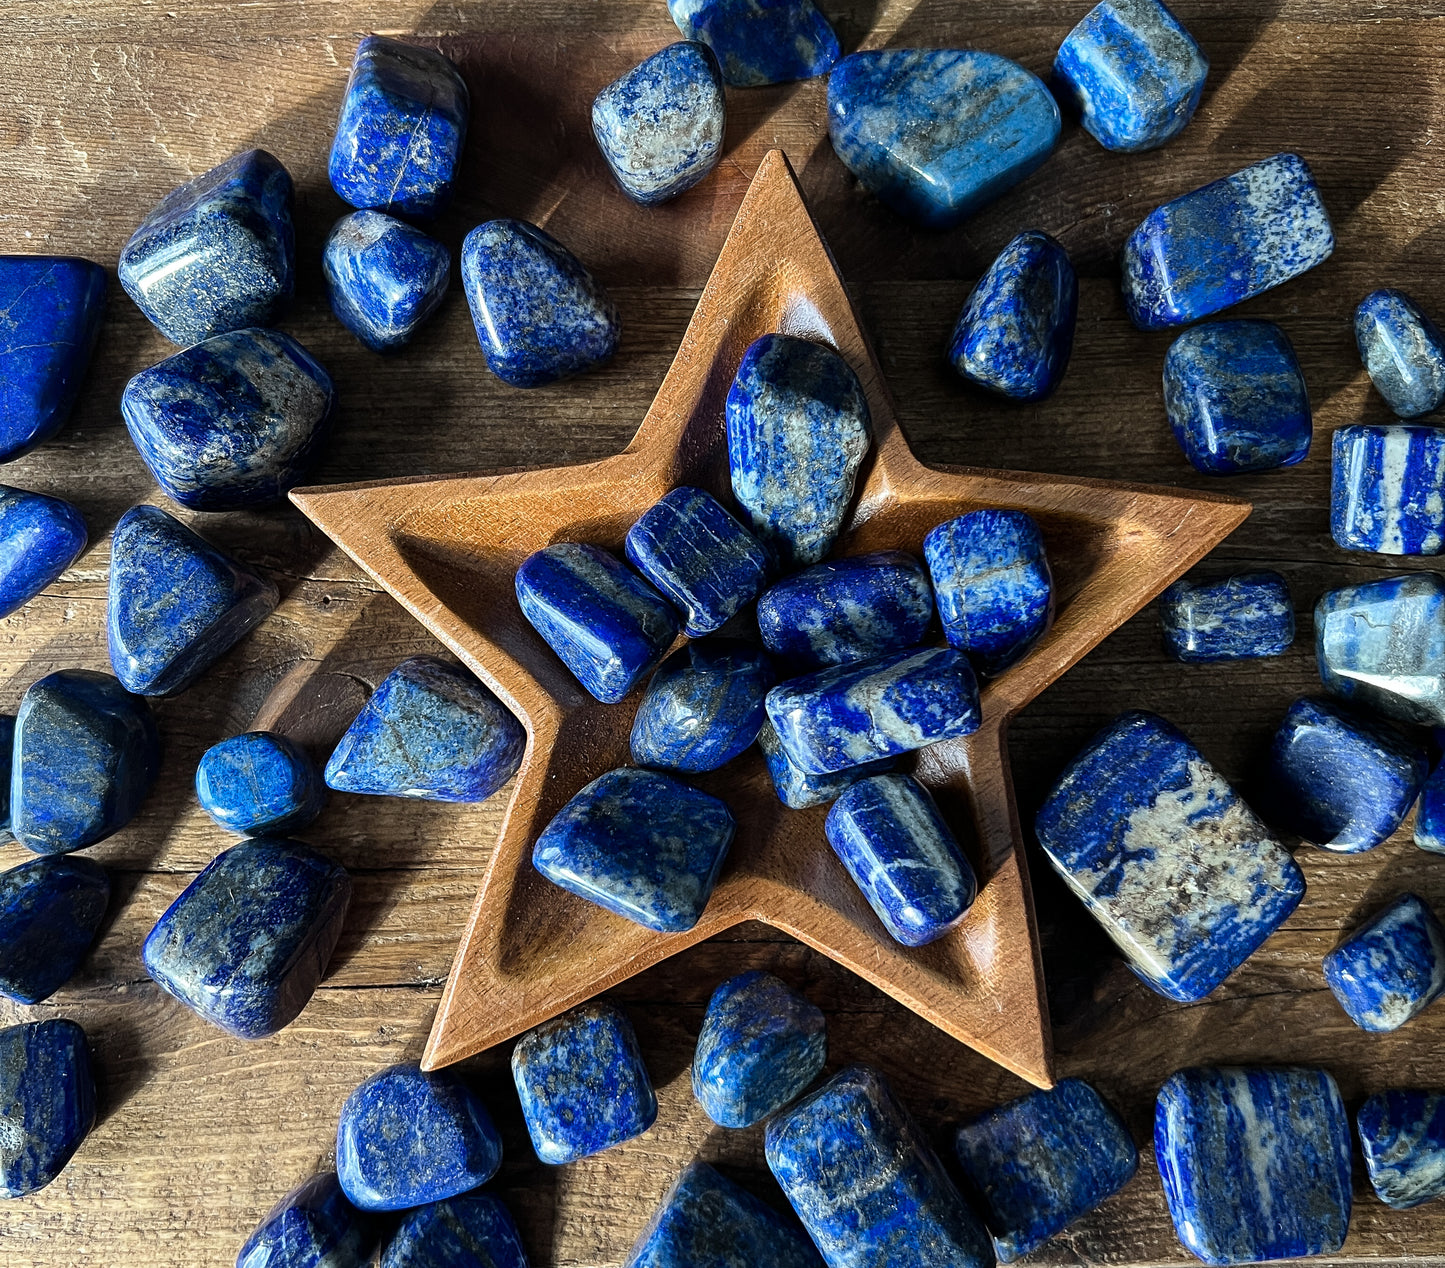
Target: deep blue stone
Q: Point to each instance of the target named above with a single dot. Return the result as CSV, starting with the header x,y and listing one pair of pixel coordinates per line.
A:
x,y
432,731
47,1102
1391,967
259,783
1255,1162
1043,1161
232,422
1403,1138
703,706
1403,350
1385,489
1243,617
936,133
384,277
1430,816
86,753
50,314
40,537
1137,810
50,912
7,754
796,788
400,134
867,1184
760,41
899,851
217,253
582,1084
246,943
472,1230
313,1226
177,604
639,844
761,1045
1225,242
407,1137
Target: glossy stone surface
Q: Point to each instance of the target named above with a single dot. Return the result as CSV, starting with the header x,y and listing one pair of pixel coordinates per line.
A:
x,y
1403,350
796,788
1403,1138
640,844
259,783
473,1230
383,277
582,1084
866,1182
760,41
703,706
1225,242
50,912
539,314
313,1226
403,122
40,537
1043,1161
1244,617
7,753
233,422
217,253
1391,968
798,431
1385,489
1166,856
47,1102
1430,816
247,942
1255,1162
937,133
177,604
406,1137
431,731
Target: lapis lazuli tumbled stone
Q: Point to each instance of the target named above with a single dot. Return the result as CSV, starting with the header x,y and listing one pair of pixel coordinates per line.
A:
x,y
1403,350
1043,1161
7,754
582,1084
403,122
47,1102
247,942
40,537
407,1137
640,844
50,912
50,314
259,783
936,133
232,422
796,788
218,253
1255,1162
1225,242
431,731
472,1230
384,277
1385,489
1244,617
1402,1134
760,41
1135,811
313,1226
1430,816
1391,968
703,706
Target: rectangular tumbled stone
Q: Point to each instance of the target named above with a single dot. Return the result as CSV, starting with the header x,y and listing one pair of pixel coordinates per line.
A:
x,y
1387,491
1243,617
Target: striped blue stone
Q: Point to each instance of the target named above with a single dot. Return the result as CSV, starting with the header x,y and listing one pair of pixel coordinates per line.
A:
x,y
796,788
40,537
1430,815
47,1102
1403,350
1391,968
760,41
1402,1134
1247,616
703,706
1387,489
259,783
50,912
472,1230
383,277
313,1226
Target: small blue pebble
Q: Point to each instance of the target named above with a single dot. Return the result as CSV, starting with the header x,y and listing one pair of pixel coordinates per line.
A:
x,y
760,41
1244,617
1391,968
1430,817
259,783
472,1230
703,707
1385,489
50,912
383,277
47,1102
313,1226
40,537
1403,1138
796,788
1403,350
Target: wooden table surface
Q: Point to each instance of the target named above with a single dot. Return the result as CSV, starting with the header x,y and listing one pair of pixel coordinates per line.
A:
x,y
109,103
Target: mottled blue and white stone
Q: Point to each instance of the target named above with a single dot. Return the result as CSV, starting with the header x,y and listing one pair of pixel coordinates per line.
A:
x,y
1391,968
259,783
1043,1161
1430,816
1225,242
760,41
639,844
384,277
473,1230
582,1084
703,706
1244,617
937,133
50,912
1387,491
1402,1134
1255,1162
40,537
313,1226
1166,856
796,788
1403,350
47,1102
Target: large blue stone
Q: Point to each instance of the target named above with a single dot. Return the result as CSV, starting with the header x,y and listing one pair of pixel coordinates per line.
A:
x,y
1403,1138
760,41
1255,1162
432,731
232,422
47,1102
1430,817
866,1182
1391,967
582,1084
1136,811
384,277
1224,243
1385,489
1043,1161
406,1137
1247,616
40,537
641,845
473,1230
177,604
217,253
246,943
1403,350
796,788
703,706
259,783
313,1226
50,912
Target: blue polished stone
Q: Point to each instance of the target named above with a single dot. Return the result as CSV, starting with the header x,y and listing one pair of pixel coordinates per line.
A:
x,y
582,1084
798,431
796,788
407,1137
1135,812
40,537
866,1182
1255,1162
1403,1138
1385,491
843,610
259,783
761,1045
473,1230
1391,967
313,1226
7,754
539,314
1244,617
606,623
50,314
849,714
699,557
47,1102
1224,243
900,852
1043,1161
703,706
384,277
641,845
177,604
86,753
50,912
760,41
432,731
1430,816
1403,350
217,253
399,138
235,421
246,943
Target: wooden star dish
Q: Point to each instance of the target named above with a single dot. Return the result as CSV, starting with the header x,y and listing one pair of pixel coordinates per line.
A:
x,y
448,547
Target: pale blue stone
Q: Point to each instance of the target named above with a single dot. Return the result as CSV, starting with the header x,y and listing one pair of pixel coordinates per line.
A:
x,y
1403,1137
796,788
1403,350
760,41
1387,492
1243,617
1391,968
